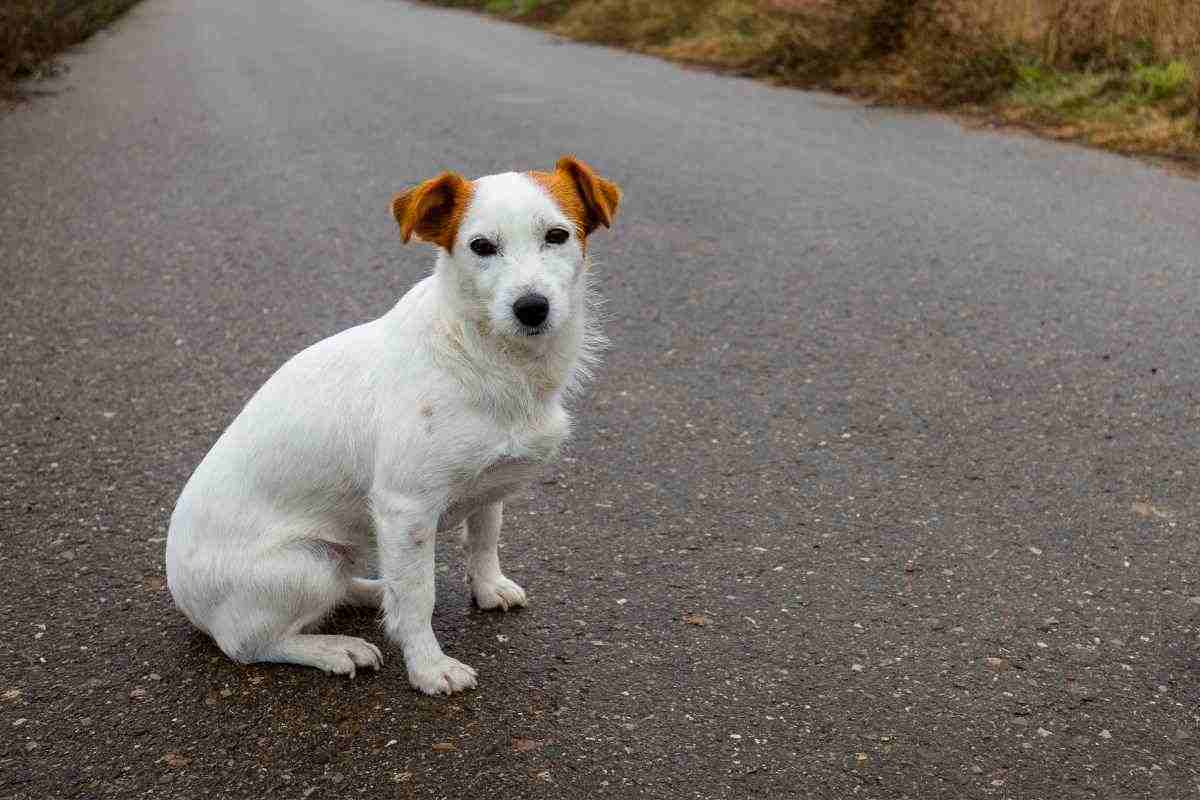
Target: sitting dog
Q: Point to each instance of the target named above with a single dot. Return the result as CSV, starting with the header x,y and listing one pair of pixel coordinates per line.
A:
x,y
332,483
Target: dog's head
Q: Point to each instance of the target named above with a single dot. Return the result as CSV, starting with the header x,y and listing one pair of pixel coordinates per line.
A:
x,y
513,245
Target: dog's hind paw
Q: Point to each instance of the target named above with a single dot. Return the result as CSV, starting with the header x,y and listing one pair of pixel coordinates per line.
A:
x,y
338,655
444,675
498,592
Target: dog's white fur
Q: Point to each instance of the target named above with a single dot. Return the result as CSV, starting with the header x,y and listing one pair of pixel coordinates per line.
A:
x,y
332,483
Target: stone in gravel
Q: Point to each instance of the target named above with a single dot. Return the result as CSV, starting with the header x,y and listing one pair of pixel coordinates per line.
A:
x,y
154,676
1042,732
138,694
1082,691
31,746
995,663
522,745
1194,601
1104,734
66,555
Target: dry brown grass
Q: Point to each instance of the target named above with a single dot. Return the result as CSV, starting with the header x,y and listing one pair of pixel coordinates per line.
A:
x,y
1069,68
32,31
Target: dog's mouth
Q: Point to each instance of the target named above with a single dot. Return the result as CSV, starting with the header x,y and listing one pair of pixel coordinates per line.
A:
x,y
528,330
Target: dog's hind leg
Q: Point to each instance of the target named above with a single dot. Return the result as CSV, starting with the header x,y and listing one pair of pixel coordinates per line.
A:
x,y
489,587
280,596
340,655
365,592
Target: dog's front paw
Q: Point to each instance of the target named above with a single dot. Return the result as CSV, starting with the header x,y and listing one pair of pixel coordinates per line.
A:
x,y
444,675
498,592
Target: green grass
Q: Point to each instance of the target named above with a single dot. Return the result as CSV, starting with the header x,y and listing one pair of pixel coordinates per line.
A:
x,y
1155,83
1104,94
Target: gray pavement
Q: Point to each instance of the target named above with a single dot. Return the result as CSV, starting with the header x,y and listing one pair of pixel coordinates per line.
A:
x,y
888,487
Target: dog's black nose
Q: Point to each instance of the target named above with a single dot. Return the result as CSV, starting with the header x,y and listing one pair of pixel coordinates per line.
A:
x,y
532,309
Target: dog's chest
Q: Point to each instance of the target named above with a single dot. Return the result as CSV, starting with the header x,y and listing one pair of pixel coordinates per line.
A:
x,y
517,460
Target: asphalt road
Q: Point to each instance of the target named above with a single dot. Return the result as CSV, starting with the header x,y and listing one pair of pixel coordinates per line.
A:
x,y
888,488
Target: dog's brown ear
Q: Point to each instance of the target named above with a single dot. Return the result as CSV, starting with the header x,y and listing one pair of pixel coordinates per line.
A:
x,y
433,210
599,197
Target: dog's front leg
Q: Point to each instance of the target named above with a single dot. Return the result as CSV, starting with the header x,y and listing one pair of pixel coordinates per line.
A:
x,y
406,531
489,586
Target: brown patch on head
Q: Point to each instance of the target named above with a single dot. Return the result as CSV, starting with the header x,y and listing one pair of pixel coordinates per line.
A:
x,y
426,409
433,210
587,199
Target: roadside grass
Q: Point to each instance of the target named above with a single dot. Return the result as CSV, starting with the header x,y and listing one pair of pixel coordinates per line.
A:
x,y
1119,74
1148,109
33,31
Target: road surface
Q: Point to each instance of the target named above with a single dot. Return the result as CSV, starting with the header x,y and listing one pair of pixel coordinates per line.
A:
x,y
888,487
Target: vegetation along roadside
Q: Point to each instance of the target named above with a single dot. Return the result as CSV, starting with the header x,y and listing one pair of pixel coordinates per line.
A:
x,y
32,31
1119,74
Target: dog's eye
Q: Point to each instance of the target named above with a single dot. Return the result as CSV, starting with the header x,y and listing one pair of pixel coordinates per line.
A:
x,y
557,236
483,247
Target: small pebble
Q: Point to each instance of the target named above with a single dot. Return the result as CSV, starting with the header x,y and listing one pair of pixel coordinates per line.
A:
x,y
857,667
154,676
1104,734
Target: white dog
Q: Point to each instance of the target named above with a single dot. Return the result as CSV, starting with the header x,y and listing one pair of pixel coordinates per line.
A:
x,y
333,482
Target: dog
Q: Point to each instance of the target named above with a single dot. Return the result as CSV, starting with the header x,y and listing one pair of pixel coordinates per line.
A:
x,y
332,484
